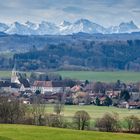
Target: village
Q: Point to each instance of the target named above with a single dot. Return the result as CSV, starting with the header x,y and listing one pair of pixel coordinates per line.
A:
x,y
72,92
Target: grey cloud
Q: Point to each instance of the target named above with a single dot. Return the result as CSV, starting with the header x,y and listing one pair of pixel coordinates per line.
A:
x,y
136,10
76,10
100,11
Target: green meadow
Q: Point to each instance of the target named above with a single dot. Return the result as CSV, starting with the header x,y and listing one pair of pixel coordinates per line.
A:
x,y
104,76
7,74
27,132
95,111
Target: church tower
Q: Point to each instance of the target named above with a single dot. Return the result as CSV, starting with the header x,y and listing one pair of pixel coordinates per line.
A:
x,y
15,75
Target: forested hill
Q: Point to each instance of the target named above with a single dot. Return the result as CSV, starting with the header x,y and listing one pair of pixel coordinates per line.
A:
x,y
19,43
74,52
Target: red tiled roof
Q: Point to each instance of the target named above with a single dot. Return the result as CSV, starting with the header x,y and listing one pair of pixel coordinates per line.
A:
x,y
102,98
134,103
48,84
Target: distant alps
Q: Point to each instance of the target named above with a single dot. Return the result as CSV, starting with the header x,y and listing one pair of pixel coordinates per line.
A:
x,y
66,28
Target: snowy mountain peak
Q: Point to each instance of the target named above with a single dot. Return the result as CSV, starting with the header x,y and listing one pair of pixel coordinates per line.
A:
x,y
129,25
16,24
31,25
83,21
65,28
47,28
18,28
65,23
3,27
46,23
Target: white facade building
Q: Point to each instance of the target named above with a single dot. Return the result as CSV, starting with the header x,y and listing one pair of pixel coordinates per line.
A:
x,y
48,86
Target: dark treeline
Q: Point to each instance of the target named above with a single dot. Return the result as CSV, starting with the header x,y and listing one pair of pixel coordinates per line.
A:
x,y
84,55
73,52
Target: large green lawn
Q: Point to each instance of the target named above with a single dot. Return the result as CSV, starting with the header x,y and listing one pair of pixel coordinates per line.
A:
x,y
7,74
95,111
102,76
24,132
106,76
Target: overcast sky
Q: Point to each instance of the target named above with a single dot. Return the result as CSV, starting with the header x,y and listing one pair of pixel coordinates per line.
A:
x,y
104,12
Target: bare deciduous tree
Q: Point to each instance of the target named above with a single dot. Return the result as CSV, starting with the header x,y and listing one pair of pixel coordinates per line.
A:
x,y
38,110
133,124
81,120
107,123
54,120
59,106
11,110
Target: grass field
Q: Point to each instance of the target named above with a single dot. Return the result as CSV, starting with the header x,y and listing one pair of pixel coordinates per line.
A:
x,y
7,74
124,76
24,132
95,111
102,76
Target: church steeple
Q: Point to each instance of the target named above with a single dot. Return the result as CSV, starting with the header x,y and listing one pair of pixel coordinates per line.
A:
x,y
15,74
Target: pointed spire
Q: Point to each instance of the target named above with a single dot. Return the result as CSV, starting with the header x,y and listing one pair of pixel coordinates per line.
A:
x,y
14,75
15,66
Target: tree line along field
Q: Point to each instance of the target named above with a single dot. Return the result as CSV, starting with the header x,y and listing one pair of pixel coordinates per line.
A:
x,y
27,132
106,76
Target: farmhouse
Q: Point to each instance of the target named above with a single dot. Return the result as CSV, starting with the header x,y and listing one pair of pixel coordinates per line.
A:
x,y
113,94
133,105
102,100
48,86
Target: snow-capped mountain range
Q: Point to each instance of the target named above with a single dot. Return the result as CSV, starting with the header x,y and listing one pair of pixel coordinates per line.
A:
x,y
65,28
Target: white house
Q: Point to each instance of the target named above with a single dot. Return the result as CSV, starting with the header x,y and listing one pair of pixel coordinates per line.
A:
x,y
48,86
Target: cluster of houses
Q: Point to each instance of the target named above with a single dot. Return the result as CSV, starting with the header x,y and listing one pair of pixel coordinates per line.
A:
x,y
20,87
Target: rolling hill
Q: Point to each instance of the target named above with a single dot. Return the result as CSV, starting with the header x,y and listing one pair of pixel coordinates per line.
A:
x,y
23,132
72,52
